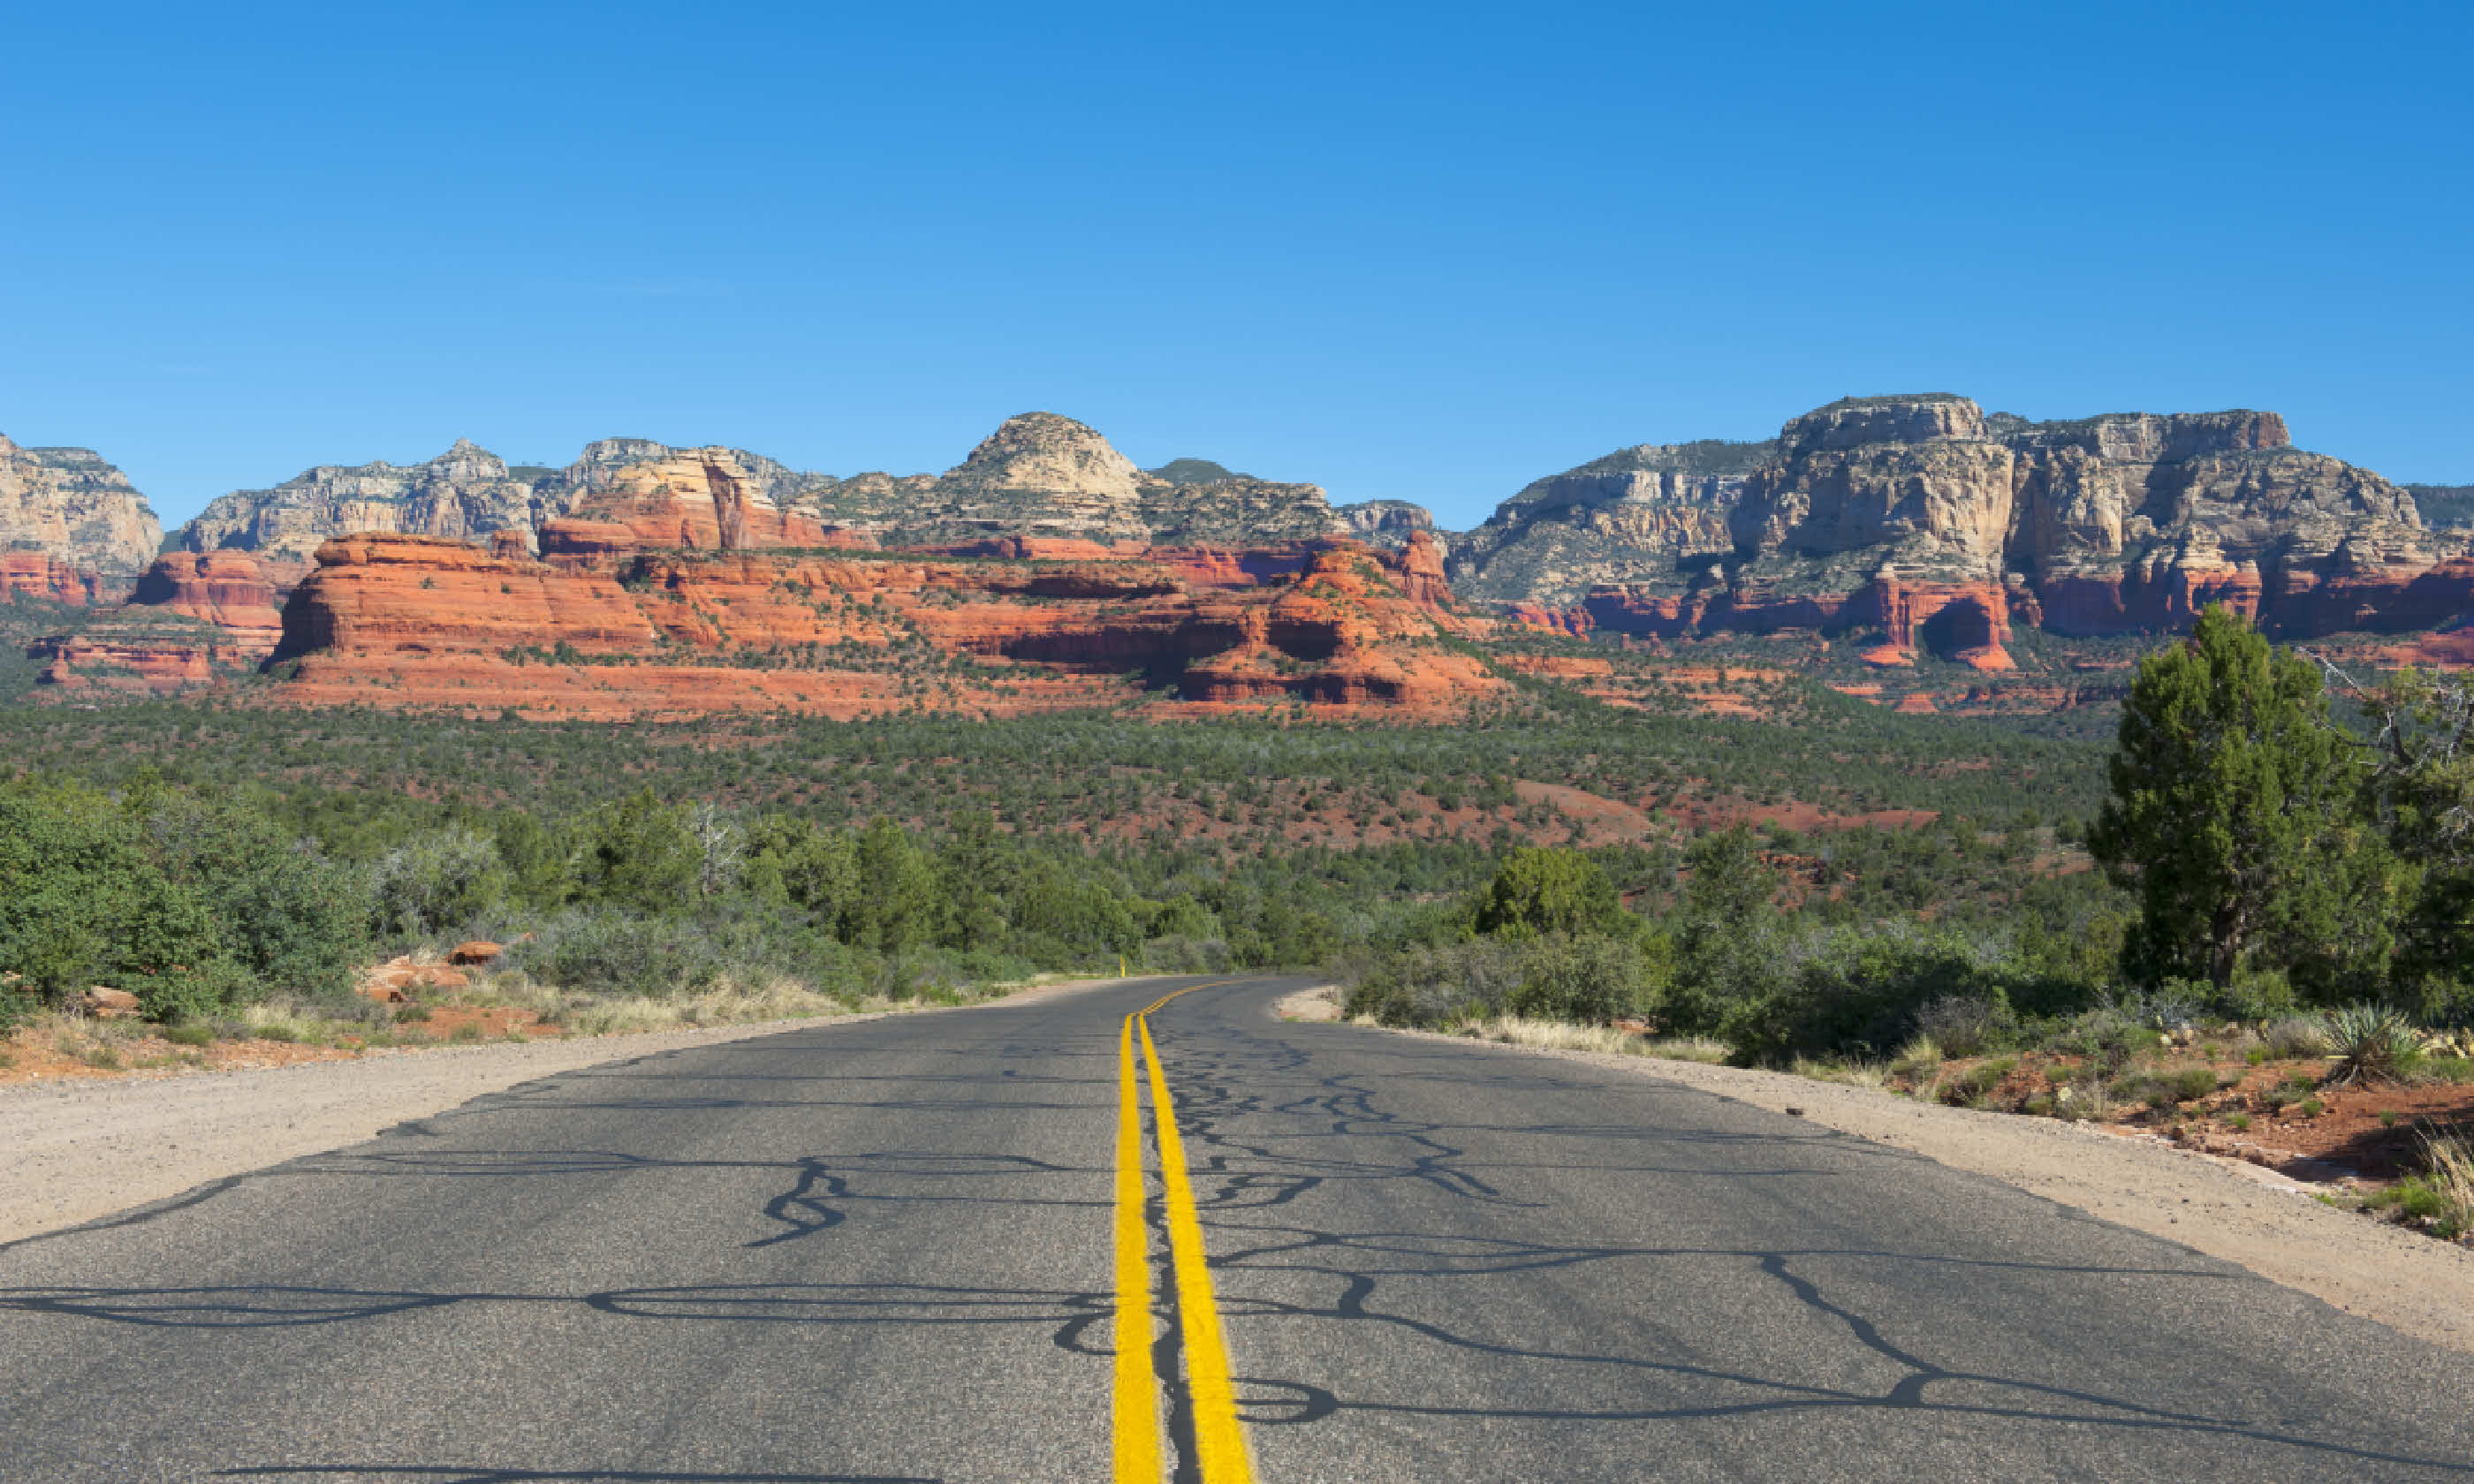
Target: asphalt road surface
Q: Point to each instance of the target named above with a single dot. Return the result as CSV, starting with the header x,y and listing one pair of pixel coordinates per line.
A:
x,y
889,1250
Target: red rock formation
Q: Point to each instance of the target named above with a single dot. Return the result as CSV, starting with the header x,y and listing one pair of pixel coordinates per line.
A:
x,y
1575,621
195,621
1220,566
702,500
1033,548
1971,617
1419,570
226,588
398,620
38,574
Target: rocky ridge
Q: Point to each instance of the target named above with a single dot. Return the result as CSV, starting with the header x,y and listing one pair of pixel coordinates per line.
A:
x,y
71,506
1939,524
1040,478
466,491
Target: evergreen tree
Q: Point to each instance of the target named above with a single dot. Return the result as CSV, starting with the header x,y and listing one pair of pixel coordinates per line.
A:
x,y
1541,890
2234,813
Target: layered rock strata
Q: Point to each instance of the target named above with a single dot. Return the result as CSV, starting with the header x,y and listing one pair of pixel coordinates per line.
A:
x,y
195,620
408,621
466,491
1939,524
70,505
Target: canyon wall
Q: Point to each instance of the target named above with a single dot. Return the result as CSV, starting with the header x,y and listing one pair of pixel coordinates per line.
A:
x,y
71,506
1939,524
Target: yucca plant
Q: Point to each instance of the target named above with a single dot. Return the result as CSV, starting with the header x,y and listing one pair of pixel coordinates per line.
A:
x,y
2372,1043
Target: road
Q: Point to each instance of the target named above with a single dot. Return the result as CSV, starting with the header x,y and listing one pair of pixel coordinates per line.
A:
x,y
888,1250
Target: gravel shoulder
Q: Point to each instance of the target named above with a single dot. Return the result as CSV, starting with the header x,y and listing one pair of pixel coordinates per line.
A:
x,y
75,1150
2224,1209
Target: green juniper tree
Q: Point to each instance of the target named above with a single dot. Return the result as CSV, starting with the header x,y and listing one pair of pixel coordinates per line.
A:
x,y
2235,816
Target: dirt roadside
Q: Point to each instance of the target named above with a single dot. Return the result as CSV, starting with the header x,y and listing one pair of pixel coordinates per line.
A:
x,y
86,1147
2224,1209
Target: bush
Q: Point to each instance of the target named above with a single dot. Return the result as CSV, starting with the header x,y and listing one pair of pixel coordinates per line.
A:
x,y
1436,985
1539,891
192,908
1964,1025
2289,1036
615,952
435,883
1587,981
1854,990
640,854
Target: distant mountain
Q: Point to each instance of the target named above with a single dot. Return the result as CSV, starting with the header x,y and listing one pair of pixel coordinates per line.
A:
x,y
1883,509
1040,475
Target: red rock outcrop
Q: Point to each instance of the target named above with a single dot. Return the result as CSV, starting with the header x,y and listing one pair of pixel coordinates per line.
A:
x,y
1418,571
226,588
38,574
195,621
395,620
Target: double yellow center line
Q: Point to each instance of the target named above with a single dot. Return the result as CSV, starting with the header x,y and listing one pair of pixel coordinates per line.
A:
x,y
1219,1444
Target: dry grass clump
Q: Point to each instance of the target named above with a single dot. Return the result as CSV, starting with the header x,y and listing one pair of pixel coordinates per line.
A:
x,y
730,1001
1564,1035
1854,1073
2450,1177
283,1023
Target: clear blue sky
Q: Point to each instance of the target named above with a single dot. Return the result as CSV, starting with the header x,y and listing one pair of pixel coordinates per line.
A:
x,y
1425,251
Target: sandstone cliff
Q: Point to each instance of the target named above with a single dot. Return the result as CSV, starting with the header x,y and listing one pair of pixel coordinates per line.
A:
x,y
700,499
466,491
195,620
70,505
396,620
1886,512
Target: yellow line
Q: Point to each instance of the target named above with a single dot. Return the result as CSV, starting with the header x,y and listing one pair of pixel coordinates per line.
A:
x,y
1219,1444
1137,1399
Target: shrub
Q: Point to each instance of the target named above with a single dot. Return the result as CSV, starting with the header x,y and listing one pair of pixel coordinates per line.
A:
x,y
1587,981
640,854
615,952
1978,1082
2294,1036
1850,989
1539,891
1434,984
436,882
1964,1026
